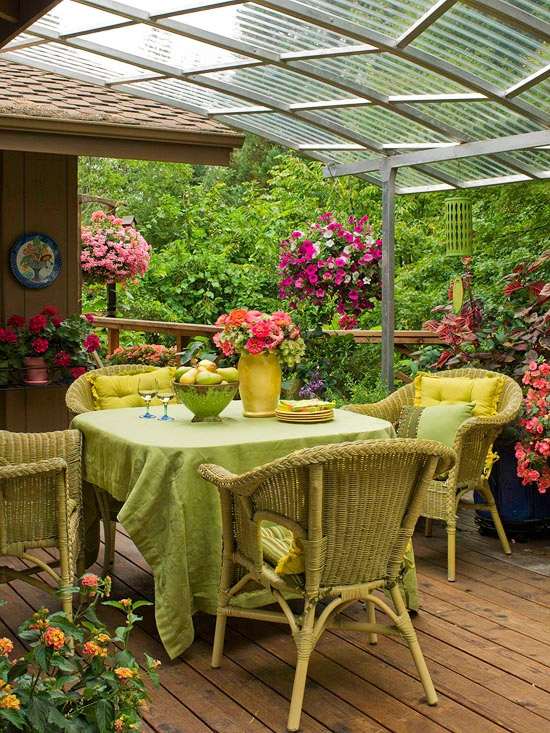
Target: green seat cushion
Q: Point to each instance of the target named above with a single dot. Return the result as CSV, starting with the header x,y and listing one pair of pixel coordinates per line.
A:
x,y
437,422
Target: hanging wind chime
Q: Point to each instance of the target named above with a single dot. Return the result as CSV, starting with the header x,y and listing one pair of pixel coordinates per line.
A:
x,y
459,243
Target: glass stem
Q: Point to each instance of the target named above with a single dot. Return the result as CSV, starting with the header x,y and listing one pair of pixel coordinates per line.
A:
x,y
165,405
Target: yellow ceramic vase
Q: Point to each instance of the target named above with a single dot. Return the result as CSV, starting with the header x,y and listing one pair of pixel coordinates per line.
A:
x,y
259,384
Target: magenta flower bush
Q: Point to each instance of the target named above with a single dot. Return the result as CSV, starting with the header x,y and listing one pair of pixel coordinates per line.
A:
x,y
112,253
333,262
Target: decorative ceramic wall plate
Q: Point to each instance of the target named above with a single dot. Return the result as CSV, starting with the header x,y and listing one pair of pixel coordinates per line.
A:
x,y
35,260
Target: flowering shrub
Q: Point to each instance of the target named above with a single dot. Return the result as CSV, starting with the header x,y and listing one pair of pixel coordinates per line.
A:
x,y
505,339
332,262
112,253
65,344
76,675
153,354
533,449
253,332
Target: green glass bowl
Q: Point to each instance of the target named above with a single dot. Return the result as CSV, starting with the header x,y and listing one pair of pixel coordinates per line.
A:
x,y
205,401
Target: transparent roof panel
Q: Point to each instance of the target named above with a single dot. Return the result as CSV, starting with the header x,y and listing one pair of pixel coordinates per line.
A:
x,y
382,125
294,130
538,96
390,18
66,60
265,28
168,48
484,46
279,84
326,76
479,119
71,17
386,74
182,92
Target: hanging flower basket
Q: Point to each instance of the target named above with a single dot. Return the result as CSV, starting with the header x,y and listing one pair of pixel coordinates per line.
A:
x,y
333,262
112,253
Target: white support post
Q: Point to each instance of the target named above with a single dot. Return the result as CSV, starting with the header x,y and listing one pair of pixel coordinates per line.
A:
x,y
388,272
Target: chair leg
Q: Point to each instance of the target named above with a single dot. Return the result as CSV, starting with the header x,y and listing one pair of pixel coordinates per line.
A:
x,y
451,552
109,528
219,638
371,615
66,578
304,647
409,634
427,527
485,489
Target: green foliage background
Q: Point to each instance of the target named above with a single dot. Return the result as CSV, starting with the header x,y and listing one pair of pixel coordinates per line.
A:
x,y
215,233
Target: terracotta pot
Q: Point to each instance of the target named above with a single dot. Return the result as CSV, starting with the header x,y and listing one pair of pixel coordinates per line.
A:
x,y
36,370
259,384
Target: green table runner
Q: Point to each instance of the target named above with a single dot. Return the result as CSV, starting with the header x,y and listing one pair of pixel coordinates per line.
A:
x,y
171,514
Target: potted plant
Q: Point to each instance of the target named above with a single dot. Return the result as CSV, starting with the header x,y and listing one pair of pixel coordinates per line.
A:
x,y
332,263
76,676
515,339
12,351
149,354
263,342
49,347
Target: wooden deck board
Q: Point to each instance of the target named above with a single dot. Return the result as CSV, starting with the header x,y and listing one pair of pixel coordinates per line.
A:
x,y
486,639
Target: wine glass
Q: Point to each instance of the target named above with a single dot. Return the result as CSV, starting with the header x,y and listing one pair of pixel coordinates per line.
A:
x,y
147,389
165,396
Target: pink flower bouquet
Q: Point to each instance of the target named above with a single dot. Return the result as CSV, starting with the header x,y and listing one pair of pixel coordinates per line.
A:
x,y
333,261
112,253
533,450
253,332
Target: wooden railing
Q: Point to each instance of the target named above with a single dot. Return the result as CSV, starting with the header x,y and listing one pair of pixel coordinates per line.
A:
x,y
185,332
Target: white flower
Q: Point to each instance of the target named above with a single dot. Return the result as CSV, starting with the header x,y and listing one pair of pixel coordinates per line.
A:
x,y
347,249
327,234
355,275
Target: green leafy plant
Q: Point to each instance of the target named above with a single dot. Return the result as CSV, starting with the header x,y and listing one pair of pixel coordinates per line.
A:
x,y
76,676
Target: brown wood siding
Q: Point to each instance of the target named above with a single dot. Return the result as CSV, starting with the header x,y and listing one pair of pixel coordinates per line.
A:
x,y
38,193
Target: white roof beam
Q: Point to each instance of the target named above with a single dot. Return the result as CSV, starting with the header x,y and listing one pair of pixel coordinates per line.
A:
x,y
196,7
514,16
425,21
321,53
458,97
250,110
361,33
523,141
330,146
416,146
529,81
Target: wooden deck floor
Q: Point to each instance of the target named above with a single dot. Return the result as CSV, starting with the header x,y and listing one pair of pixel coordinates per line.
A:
x,y
486,639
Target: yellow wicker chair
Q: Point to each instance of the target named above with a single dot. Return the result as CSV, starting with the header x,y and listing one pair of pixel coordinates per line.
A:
x,y
79,399
353,506
473,441
40,505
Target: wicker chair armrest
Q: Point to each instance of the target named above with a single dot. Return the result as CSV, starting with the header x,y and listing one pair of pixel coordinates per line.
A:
x,y
386,409
21,470
218,475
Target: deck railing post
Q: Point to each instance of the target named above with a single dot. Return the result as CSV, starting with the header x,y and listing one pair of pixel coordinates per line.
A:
x,y
388,272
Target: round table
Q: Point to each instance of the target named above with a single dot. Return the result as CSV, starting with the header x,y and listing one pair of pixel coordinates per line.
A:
x,y
171,514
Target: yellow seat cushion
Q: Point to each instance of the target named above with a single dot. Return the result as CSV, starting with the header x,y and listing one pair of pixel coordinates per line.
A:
x,y
113,391
485,392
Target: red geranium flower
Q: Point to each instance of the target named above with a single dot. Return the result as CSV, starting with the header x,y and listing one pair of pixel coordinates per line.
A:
x,y
40,345
62,359
37,323
57,321
92,342
77,372
16,321
8,336
89,317
49,310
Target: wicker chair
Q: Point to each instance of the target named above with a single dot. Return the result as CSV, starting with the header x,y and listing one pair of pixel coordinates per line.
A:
x,y
473,441
40,505
353,506
79,399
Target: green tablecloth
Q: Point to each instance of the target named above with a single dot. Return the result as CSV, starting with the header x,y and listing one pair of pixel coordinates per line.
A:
x,y
171,514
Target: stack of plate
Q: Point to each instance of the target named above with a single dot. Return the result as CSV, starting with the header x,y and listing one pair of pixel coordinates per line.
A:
x,y
322,415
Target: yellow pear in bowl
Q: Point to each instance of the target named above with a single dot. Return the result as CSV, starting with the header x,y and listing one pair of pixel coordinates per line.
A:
x,y
229,374
207,364
189,377
207,377
180,371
